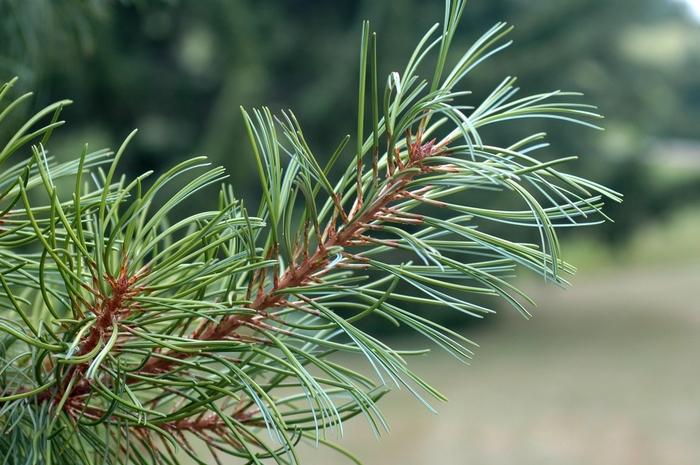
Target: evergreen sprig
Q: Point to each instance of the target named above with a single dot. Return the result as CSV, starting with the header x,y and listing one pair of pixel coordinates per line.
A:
x,y
128,339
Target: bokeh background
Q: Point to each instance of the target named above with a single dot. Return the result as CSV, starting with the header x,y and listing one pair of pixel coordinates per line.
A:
x,y
607,372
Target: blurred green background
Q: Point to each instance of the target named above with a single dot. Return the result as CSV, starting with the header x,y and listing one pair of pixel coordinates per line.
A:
x,y
605,373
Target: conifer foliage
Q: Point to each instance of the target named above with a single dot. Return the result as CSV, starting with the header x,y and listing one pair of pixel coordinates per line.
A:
x,y
125,338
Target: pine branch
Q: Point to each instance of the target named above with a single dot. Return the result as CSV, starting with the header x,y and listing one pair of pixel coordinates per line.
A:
x,y
127,337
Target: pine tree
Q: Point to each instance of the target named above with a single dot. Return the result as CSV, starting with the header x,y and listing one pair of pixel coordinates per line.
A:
x,y
128,339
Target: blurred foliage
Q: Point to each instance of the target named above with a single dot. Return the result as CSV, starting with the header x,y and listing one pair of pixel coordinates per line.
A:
x,y
178,70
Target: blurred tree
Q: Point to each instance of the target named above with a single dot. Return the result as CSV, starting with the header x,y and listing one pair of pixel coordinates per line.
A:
x,y
178,70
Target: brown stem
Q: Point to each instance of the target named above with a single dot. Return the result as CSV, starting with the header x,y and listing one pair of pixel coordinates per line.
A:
x,y
123,290
294,277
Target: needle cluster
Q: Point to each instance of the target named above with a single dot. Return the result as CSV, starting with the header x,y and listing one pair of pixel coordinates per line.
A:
x,y
127,339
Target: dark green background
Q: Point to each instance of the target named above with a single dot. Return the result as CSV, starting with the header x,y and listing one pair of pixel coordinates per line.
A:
x,y
179,70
